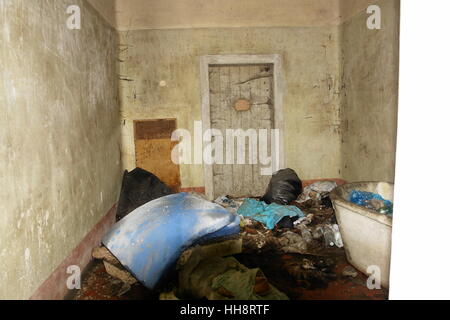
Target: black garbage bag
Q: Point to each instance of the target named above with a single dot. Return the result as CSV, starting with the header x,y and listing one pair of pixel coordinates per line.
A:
x,y
139,187
287,222
284,187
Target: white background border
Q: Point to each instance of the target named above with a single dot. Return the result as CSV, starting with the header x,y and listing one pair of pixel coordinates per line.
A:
x,y
421,227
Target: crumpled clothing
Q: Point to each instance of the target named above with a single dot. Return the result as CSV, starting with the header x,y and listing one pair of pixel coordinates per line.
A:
x,y
269,215
217,278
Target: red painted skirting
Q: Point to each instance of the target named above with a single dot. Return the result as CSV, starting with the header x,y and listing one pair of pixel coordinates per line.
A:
x,y
194,189
55,288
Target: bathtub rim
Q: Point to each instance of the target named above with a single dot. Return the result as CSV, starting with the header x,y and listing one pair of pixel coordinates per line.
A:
x,y
338,200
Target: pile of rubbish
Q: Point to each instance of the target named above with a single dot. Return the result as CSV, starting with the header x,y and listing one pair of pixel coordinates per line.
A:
x,y
371,201
159,233
304,224
268,214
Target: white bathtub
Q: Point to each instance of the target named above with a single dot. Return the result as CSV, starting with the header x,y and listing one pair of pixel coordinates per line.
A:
x,y
366,233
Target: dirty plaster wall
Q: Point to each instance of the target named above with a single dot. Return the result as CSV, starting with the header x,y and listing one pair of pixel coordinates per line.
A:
x,y
370,102
59,136
311,94
176,14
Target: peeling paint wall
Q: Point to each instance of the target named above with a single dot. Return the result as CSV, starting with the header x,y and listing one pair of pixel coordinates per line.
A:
x,y
59,136
311,79
370,103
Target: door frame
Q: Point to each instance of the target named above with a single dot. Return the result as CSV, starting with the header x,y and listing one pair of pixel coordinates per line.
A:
x,y
278,90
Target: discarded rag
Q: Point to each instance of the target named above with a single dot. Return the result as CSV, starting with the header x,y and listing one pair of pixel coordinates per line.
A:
x,y
270,214
217,278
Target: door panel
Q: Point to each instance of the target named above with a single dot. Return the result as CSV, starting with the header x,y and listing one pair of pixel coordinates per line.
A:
x,y
227,85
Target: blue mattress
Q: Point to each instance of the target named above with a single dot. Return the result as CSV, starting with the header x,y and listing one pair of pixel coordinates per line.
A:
x,y
150,239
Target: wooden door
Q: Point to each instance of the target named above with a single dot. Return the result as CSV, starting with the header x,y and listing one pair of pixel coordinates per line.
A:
x,y
154,147
228,84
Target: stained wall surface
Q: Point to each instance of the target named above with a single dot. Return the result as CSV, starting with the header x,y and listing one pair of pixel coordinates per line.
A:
x,y
107,9
370,97
59,136
175,14
172,58
340,88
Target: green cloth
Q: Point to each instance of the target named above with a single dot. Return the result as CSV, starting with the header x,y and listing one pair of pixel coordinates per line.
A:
x,y
241,283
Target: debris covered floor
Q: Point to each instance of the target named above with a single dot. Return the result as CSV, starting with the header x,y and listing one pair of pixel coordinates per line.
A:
x,y
302,258
99,285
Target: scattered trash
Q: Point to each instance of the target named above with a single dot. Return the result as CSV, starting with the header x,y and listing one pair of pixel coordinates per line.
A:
x,y
287,222
292,242
149,240
311,274
284,187
224,201
349,271
306,233
269,215
102,253
138,188
318,191
337,236
114,269
332,235
308,265
304,220
228,203
162,232
118,272
371,201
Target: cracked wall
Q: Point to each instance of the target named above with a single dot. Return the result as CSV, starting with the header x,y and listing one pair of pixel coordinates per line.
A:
x,y
59,136
311,87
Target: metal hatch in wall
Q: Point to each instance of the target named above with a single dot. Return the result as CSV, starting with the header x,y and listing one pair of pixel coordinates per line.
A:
x,y
153,148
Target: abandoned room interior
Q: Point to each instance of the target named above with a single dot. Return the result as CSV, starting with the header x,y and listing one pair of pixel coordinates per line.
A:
x,y
197,149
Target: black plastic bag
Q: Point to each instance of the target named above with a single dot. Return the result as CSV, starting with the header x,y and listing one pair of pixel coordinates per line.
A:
x,y
284,187
139,187
287,222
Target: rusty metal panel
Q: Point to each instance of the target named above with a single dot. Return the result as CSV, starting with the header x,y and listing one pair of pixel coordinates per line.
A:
x,y
153,148
155,129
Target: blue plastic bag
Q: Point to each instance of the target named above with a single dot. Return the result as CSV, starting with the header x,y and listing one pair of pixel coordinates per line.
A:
x,y
363,198
268,214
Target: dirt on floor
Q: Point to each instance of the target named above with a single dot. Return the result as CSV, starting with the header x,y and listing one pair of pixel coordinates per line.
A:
x,y
282,270
298,260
